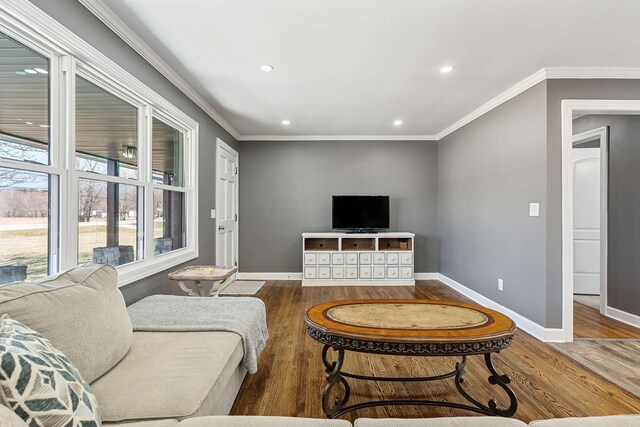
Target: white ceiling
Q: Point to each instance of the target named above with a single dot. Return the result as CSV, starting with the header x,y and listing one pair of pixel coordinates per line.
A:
x,y
353,67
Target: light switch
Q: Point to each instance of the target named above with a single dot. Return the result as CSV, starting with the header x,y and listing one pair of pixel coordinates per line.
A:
x,y
534,209
213,213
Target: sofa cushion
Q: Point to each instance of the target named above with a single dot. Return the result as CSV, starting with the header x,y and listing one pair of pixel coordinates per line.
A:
x,y
608,421
472,421
168,375
39,383
81,311
242,421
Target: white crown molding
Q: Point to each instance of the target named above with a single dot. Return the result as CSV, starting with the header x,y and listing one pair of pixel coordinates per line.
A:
x,y
106,15
111,20
505,96
337,138
592,73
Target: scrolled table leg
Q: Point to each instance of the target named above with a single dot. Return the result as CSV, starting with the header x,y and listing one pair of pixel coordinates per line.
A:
x,y
491,408
334,377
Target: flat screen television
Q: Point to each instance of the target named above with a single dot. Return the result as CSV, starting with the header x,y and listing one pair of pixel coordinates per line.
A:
x,y
360,213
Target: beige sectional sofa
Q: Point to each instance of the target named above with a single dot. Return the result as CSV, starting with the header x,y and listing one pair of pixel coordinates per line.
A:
x,y
134,375
169,379
474,421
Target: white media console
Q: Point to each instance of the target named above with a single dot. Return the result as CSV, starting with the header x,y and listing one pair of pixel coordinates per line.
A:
x,y
341,259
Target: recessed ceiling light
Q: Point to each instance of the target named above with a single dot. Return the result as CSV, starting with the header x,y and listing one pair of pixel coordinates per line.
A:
x,y
286,122
266,68
21,73
29,123
44,126
30,71
397,122
41,71
447,69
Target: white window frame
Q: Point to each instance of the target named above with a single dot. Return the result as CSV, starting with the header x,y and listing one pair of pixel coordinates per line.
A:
x,y
70,56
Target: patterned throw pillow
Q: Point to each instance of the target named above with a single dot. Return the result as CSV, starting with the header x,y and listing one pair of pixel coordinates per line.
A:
x,y
39,383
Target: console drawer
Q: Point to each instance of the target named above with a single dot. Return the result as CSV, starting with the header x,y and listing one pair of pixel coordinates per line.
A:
x,y
309,272
324,259
337,272
378,258
406,259
406,272
393,258
365,258
352,272
337,258
352,259
378,272
324,272
365,272
393,272
310,259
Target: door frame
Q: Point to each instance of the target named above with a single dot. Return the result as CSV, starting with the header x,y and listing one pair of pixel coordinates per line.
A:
x,y
600,134
569,108
220,144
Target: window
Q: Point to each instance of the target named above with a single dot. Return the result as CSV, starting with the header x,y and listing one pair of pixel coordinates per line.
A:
x,y
28,224
168,194
108,209
94,165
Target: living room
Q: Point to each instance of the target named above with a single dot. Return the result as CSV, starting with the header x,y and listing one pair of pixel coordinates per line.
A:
x,y
493,142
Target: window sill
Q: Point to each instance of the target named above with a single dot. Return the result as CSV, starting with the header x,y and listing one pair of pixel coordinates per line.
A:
x,y
133,272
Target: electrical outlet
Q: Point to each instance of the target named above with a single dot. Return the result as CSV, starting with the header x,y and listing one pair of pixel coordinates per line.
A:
x,y
213,213
500,285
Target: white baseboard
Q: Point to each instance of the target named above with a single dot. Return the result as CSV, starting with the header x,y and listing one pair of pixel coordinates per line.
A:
x,y
527,325
622,316
426,276
269,276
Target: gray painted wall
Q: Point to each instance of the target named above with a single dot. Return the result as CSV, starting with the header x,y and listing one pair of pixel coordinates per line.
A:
x,y
488,173
286,189
78,19
557,90
623,287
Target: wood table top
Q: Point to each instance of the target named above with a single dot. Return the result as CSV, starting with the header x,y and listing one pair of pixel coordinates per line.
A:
x,y
203,272
408,321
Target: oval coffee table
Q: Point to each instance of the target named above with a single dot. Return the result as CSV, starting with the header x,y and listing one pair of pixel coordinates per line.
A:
x,y
410,328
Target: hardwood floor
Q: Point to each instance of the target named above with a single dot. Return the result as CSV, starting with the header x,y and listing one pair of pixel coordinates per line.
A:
x,y
589,323
290,375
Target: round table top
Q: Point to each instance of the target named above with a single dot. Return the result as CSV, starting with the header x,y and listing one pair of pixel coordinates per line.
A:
x,y
370,322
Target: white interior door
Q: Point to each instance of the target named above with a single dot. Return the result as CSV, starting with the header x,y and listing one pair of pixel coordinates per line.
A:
x,y
226,205
586,221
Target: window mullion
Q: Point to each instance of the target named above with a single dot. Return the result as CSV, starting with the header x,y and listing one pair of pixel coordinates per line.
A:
x,y
146,177
69,180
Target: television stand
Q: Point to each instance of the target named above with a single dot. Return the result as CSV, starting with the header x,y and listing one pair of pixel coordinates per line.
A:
x,y
357,259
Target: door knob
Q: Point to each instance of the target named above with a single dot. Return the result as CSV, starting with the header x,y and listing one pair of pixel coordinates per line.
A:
x,y
220,227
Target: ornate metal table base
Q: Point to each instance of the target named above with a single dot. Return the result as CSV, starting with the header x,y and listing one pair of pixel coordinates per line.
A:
x,y
338,407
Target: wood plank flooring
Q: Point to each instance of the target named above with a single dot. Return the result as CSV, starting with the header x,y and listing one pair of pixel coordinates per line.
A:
x,y
290,375
614,359
589,323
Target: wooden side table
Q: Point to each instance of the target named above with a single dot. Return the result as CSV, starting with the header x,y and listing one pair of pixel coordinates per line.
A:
x,y
191,279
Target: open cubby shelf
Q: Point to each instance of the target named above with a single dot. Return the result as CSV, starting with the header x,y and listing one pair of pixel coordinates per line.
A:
x,y
394,244
321,244
358,244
